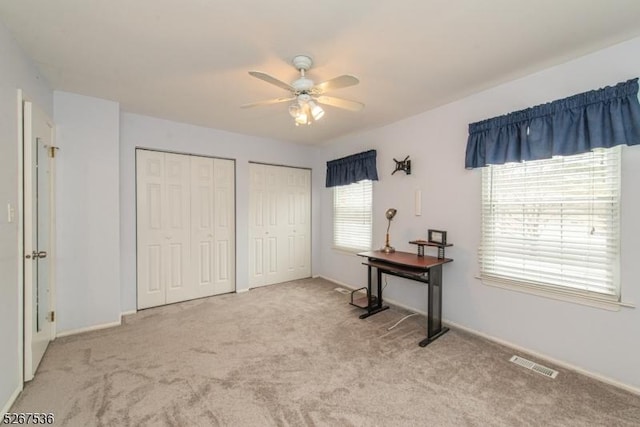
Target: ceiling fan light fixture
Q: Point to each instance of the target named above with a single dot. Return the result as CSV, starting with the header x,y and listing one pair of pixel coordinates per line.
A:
x,y
306,94
316,111
301,118
294,110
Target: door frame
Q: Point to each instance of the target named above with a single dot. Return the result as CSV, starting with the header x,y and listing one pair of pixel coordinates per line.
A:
x,y
22,312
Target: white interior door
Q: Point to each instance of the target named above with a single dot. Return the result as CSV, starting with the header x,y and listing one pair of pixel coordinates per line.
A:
x,y
263,225
177,201
38,203
151,240
186,227
225,228
297,196
212,225
163,198
279,217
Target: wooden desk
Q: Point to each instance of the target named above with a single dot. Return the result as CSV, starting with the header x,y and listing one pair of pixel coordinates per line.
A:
x,y
425,269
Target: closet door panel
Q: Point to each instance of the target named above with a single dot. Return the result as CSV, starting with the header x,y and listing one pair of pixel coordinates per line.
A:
x,y
178,232
297,196
280,224
213,225
257,224
224,226
150,187
202,230
186,227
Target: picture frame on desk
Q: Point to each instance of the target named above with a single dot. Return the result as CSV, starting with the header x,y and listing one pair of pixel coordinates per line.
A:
x,y
437,237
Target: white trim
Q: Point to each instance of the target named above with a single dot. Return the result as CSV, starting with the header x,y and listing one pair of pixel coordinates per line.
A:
x,y
390,301
53,302
27,233
560,294
88,329
11,401
347,251
20,218
97,327
241,291
548,358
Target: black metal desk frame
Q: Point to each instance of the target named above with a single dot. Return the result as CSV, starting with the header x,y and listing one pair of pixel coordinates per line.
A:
x,y
423,269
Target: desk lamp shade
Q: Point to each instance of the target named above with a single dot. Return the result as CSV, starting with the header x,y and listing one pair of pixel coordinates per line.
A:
x,y
390,213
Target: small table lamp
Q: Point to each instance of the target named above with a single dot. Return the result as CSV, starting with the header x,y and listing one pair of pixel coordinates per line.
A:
x,y
390,213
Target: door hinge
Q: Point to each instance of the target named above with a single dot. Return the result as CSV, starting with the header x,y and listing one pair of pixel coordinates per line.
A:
x,y
52,316
52,151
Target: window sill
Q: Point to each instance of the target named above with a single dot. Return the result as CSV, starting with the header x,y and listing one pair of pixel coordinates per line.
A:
x,y
348,251
557,294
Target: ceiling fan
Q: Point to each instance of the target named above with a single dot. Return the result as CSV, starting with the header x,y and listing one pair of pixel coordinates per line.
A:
x,y
305,95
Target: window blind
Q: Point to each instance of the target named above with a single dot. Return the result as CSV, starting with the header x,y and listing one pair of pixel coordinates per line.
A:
x,y
554,223
352,217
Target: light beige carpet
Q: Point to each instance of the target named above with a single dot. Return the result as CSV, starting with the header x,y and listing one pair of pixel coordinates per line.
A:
x,y
296,354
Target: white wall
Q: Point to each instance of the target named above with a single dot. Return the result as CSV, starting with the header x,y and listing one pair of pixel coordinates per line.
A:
x,y
88,211
16,72
602,342
147,132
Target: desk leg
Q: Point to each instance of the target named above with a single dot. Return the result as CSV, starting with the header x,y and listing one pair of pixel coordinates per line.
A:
x,y
378,307
434,315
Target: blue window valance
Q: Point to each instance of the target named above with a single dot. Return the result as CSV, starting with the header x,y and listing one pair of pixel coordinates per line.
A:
x,y
350,169
600,118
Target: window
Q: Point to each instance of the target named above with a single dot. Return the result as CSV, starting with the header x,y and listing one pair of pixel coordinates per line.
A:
x,y
352,218
554,224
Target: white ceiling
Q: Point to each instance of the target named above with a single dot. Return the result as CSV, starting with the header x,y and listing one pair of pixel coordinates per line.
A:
x,y
187,60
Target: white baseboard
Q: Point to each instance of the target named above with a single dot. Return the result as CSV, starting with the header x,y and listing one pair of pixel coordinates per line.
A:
x,y
240,291
550,359
10,402
542,356
88,329
127,313
390,301
337,282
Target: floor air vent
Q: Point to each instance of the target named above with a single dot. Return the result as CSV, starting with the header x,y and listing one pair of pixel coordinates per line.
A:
x,y
547,372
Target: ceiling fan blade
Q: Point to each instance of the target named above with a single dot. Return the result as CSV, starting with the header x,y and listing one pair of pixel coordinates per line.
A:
x,y
269,79
336,83
268,102
340,103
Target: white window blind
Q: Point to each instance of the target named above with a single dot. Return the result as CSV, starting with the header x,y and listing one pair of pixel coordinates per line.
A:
x,y
554,223
352,217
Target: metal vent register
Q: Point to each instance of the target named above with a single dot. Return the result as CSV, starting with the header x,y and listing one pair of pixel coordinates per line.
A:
x,y
547,372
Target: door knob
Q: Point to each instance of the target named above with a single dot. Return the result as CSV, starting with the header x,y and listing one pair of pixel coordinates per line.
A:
x,y
34,255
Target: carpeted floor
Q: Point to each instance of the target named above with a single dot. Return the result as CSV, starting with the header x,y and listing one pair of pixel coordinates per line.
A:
x,y
296,354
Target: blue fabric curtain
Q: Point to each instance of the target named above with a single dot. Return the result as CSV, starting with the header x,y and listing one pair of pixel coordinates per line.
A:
x,y
350,169
596,119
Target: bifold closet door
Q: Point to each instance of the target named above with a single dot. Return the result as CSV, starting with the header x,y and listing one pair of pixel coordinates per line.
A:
x,y
163,224
212,227
297,222
280,224
185,227
263,226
